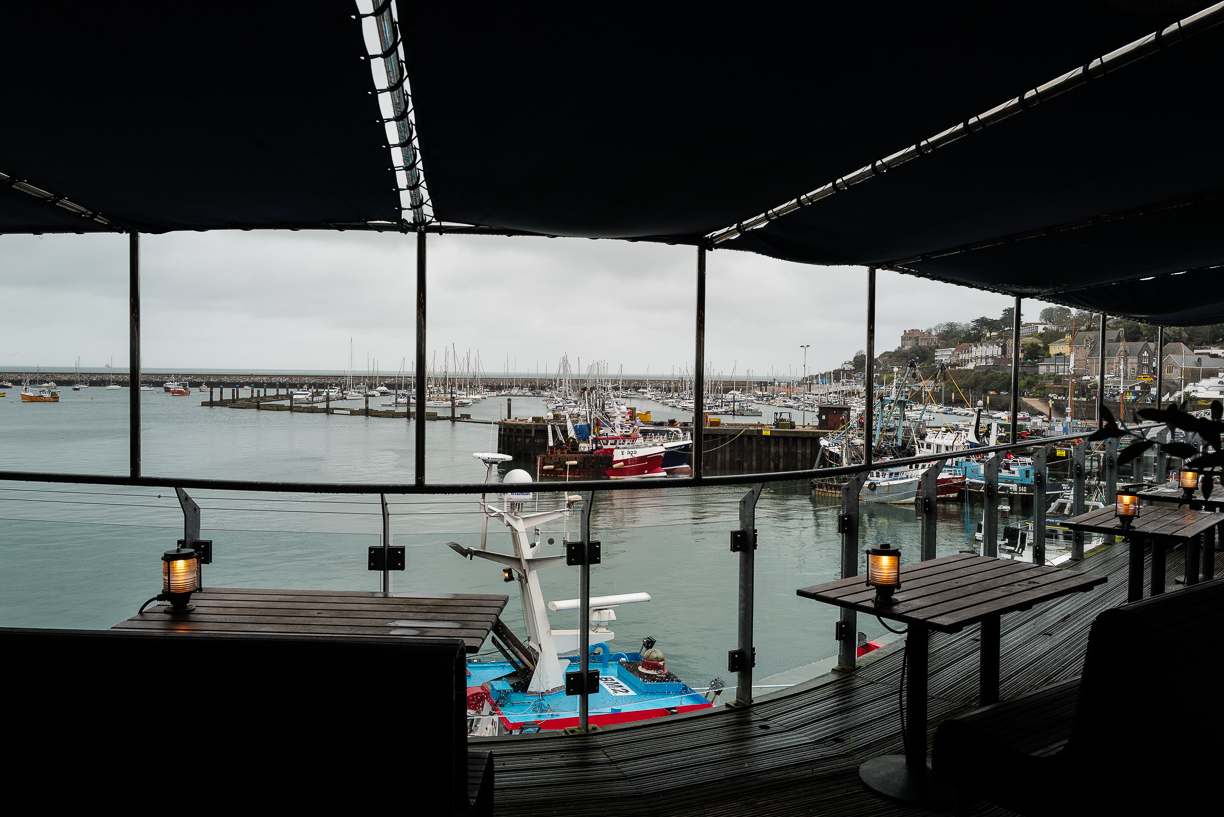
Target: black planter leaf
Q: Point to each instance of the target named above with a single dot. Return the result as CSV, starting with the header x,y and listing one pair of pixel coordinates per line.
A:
x,y
1179,450
1134,450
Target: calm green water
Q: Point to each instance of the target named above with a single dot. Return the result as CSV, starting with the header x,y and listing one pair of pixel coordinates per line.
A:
x,y
88,556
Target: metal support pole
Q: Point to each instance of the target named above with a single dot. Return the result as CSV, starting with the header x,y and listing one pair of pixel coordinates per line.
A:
x,y
1015,372
134,354
420,361
1162,459
1078,474
1159,373
1109,465
990,506
869,368
924,506
584,612
848,526
699,368
747,585
1101,375
1040,460
386,545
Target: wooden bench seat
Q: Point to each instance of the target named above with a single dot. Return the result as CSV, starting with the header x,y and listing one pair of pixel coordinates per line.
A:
x,y
261,720
1116,740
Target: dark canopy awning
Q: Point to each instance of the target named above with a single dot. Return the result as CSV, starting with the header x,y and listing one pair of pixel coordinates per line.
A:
x,y
675,126
666,123
190,116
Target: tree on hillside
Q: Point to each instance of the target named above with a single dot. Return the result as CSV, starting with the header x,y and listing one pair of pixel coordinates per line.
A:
x,y
1059,316
1032,351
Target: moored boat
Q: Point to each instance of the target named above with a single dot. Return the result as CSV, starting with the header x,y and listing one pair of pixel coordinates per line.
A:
x,y
526,692
43,395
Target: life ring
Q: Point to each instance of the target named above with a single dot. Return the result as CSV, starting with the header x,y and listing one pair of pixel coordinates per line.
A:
x,y
871,486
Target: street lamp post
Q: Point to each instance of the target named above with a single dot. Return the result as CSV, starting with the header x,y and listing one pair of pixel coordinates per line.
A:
x,y
803,420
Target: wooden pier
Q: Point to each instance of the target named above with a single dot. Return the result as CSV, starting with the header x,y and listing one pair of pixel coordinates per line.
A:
x,y
797,752
729,447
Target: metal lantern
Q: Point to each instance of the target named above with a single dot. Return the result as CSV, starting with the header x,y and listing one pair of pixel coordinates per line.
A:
x,y
180,578
1127,508
1188,480
884,571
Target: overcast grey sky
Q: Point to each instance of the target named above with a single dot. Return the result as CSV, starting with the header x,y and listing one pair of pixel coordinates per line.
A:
x,y
235,301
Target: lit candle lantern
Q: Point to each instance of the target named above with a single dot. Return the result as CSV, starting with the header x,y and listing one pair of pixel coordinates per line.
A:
x,y
1127,508
180,578
884,571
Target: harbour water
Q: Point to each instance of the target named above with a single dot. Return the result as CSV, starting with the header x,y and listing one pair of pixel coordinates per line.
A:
x,y
82,556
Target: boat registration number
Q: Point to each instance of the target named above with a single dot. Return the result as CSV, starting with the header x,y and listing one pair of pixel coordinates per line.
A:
x,y
615,686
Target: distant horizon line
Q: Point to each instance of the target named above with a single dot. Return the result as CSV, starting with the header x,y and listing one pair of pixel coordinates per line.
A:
x,y
69,371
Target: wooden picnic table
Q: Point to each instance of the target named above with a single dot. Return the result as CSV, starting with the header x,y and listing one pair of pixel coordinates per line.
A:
x,y
1162,526
329,613
946,595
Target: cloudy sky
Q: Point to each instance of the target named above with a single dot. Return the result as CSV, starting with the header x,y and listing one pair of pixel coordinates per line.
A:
x,y
238,302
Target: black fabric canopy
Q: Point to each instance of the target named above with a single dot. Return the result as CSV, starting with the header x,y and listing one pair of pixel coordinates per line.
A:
x,y
190,116
658,123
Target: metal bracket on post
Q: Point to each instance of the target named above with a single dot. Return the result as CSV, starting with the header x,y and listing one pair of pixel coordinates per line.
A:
x,y
1040,458
990,508
847,526
385,558
737,661
191,531
739,540
924,507
747,587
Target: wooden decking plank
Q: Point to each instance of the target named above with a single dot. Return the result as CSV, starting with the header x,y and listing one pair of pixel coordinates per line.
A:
x,y
918,573
310,614
960,614
913,592
350,601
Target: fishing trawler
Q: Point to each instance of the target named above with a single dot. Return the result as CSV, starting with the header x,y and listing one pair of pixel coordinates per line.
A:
x,y
526,692
44,395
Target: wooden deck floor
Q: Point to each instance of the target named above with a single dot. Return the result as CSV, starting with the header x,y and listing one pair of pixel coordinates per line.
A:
x,y
797,751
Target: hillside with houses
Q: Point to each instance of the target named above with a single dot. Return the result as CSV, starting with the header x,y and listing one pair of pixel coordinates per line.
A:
x,y
1060,356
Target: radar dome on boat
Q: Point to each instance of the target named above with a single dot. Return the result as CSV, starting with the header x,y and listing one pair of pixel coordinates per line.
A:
x,y
518,477
653,662
490,459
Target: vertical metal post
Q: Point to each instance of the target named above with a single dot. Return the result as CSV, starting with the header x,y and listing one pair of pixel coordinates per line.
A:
x,y
584,611
699,368
1110,467
990,506
1162,460
1159,373
134,354
928,489
747,585
1078,473
1015,372
1040,462
420,361
869,368
1101,375
386,544
848,526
